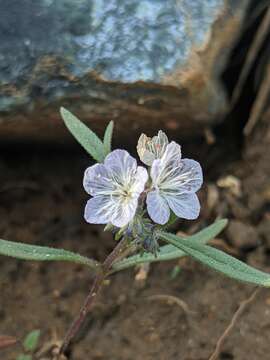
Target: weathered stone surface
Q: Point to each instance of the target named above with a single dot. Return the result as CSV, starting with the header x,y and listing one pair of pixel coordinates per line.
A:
x,y
144,63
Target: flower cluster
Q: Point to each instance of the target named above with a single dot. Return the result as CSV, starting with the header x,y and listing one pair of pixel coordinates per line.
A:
x,y
119,186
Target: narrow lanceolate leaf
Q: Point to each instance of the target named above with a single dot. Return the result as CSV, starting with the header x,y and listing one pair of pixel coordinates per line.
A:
x,y
30,343
107,141
208,233
86,137
42,253
218,260
170,252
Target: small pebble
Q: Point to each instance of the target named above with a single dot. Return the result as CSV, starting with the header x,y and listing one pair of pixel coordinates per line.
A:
x,y
264,231
241,235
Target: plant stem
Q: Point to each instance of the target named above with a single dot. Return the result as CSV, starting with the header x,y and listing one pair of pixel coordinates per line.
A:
x,y
91,297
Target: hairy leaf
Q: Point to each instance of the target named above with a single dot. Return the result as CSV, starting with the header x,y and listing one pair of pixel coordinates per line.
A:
x,y
86,137
107,141
43,253
218,260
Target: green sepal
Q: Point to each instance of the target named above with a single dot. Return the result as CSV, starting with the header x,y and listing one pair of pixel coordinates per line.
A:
x,y
170,252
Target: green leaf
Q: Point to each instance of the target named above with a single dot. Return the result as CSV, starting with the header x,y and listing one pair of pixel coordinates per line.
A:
x,y
107,141
86,137
43,253
24,357
175,272
218,260
173,218
170,252
31,341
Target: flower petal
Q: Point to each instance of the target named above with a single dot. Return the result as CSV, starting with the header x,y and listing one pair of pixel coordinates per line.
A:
x,y
172,153
97,180
163,167
153,148
185,178
99,210
159,144
145,155
193,172
120,162
157,208
123,213
186,206
139,181
155,171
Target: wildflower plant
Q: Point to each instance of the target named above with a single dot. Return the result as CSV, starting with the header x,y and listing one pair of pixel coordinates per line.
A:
x,y
138,203
29,345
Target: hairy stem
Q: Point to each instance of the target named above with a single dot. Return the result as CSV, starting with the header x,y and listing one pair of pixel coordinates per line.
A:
x,y
91,297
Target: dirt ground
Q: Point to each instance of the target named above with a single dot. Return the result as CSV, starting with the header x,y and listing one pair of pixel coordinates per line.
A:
x,y
42,201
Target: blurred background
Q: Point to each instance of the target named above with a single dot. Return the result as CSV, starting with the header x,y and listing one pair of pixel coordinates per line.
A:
x,y
198,70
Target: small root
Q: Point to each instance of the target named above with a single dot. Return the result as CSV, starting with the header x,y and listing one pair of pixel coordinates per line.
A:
x,y
50,350
242,307
170,299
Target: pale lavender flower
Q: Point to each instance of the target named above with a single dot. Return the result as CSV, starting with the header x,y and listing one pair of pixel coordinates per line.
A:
x,y
115,186
153,148
174,183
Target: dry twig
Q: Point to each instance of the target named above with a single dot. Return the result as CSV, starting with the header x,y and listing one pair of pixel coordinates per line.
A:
x,y
260,102
7,341
252,54
242,307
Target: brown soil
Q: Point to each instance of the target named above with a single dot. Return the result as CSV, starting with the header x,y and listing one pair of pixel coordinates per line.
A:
x,y
41,202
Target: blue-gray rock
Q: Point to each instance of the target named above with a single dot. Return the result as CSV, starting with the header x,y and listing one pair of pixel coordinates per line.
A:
x,y
146,64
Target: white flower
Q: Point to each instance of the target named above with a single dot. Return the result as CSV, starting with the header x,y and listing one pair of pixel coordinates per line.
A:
x,y
153,148
115,186
174,183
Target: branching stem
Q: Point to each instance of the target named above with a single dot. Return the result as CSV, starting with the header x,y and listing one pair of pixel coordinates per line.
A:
x,y
94,291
